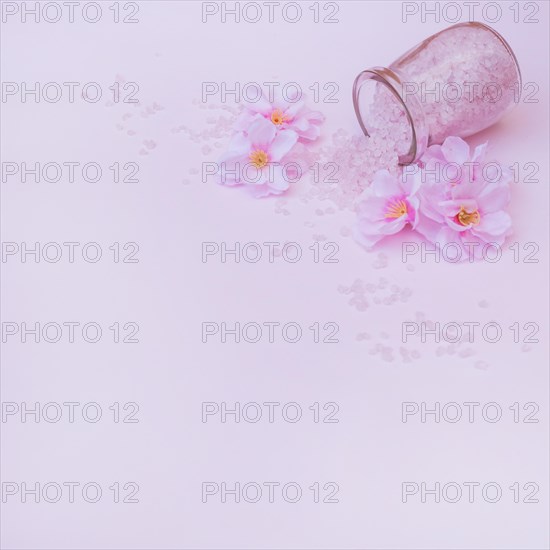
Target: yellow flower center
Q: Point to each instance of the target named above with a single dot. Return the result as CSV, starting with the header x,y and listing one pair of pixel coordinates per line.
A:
x,y
396,209
259,158
468,218
278,117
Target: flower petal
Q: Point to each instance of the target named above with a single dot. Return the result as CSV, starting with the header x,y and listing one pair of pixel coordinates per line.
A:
x,y
458,227
479,152
262,105
277,180
456,149
368,240
493,225
385,185
428,228
411,182
372,208
260,191
452,208
294,110
494,197
282,144
394,226
261,133
239,148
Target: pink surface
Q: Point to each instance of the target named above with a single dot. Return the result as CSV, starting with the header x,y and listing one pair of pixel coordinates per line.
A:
x,y
171,292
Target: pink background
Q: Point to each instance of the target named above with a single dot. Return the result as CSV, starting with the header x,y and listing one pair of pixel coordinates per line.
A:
x,y
170,292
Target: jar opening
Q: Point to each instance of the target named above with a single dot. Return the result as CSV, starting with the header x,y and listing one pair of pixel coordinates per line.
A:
x,y
382,111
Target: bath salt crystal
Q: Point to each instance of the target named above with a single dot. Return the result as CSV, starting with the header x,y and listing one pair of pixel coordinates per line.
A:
x,y
381,262
345,231
219,125
353,160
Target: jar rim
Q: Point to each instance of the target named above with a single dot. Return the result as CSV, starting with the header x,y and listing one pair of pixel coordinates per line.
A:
x,y
413,110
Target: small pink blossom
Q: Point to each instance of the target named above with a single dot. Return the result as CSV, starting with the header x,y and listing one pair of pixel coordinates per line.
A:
x,y
468,210
259,159
285,111
387,206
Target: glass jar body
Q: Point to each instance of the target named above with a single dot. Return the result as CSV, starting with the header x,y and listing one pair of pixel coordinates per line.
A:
x,y
456,82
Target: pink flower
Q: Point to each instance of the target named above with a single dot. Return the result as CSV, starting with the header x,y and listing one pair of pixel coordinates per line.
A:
x,y
466,209
257,159
286,112
387,206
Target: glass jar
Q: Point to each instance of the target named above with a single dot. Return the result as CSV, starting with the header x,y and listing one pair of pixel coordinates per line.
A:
x,y
455,83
